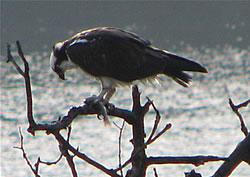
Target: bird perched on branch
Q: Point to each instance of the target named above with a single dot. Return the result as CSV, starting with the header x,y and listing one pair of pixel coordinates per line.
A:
x,y
116,57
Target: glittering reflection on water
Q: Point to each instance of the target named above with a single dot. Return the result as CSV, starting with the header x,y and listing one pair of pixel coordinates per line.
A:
x,y
203,123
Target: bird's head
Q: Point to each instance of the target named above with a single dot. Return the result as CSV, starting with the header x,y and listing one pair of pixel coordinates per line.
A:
x,y
59,61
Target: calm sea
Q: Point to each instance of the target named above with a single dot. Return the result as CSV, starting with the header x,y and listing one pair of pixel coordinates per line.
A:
x,y
203,123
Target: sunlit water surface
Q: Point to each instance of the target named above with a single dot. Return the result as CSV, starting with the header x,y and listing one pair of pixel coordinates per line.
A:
x,y
202,121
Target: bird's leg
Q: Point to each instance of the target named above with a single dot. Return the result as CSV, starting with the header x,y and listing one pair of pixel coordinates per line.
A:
x,y
99,98
109,94
103,92
98,102
102,103
108,89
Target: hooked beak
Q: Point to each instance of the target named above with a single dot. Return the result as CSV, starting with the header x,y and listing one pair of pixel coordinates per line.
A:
x,y
60,73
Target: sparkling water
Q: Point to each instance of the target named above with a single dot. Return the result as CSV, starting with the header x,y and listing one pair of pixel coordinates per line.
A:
x,y
202,120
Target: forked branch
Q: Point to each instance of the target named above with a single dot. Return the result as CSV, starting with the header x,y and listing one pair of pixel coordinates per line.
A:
x,y
135,118
235,109
34,170
26,77
242,151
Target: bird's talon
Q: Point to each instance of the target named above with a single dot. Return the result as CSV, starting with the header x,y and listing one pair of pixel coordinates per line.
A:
x,y
99,116
110,106
97,103
92,100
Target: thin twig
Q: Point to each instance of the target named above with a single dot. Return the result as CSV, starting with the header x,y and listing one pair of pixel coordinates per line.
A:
x,y
150,139
50,163
64,151
167,127
124,164
235,109
69,132
35,171
195,160
26,77
20,52
155,172
82,156
157,121
39,161
11,59
119,145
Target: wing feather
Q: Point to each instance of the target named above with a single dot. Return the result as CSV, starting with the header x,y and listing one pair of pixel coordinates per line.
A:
x,y
113,54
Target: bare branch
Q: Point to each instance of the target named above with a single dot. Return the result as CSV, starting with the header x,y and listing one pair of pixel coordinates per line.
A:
x,y
195,160
20,52
128,116
49,163
119,146
35,171
150,139
124,164
138,158
82,156
26,77
241,153
155,172
136,98
11,59
235,109
70,161
167,127
63,123
244,104
157,120
69,132
65,153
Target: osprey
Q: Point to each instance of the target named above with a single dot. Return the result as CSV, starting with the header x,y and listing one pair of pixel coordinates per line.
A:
x,y
116,57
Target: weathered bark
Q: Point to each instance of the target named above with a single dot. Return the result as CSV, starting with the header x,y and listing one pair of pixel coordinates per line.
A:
x,y
138,155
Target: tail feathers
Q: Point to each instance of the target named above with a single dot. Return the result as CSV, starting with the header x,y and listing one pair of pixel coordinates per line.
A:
x,y
175,65
183,64
181,78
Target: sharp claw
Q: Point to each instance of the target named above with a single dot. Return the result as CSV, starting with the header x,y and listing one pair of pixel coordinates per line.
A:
x,y
91,100
98,103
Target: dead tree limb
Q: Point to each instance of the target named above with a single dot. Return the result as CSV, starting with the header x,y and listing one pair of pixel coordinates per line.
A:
x,y
84,157
26,77
242,151
155,172
157,121
119,145
135,118
34,170
235,109
194,160
55,127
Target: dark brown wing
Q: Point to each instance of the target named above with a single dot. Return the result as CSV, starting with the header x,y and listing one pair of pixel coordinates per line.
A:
x,y
113,53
